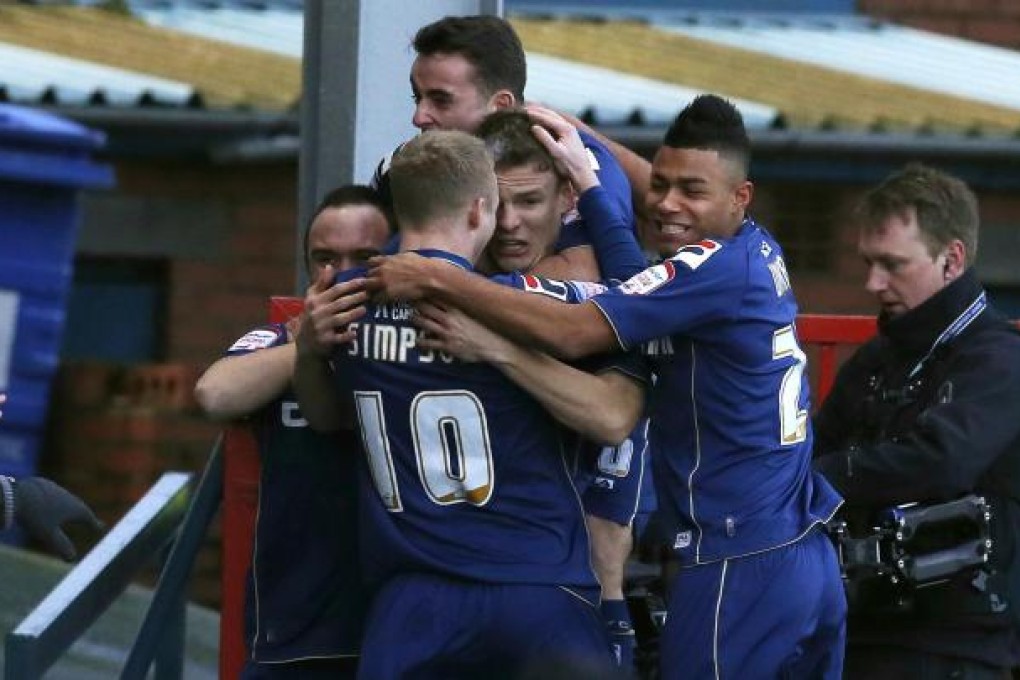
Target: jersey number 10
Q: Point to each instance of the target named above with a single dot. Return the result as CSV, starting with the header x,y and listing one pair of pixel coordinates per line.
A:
x,y
452,452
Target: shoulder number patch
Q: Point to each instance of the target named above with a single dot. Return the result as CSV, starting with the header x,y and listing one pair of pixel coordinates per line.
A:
x,y
257,339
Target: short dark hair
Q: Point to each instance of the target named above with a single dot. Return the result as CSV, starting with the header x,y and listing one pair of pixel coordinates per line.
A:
x,y
437,174
711,122
489,43
350,194
508,137
945,207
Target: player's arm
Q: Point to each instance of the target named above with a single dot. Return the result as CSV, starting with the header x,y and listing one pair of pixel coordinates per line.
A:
x,y
616,250
604,407
329,310
317,394
236,386
563,330
573,264
636,167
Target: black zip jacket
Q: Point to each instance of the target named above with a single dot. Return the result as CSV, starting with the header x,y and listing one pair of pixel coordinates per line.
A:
x,y
906,422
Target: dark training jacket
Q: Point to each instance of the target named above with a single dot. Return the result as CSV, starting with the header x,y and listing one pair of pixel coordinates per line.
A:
x,y
912,418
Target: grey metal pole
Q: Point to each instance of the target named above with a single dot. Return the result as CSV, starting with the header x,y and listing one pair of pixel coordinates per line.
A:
x,y
356,104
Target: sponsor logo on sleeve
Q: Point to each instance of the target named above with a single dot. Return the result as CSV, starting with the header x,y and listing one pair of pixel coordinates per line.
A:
x,y
649,280
553,289
257,339
697,254
683,540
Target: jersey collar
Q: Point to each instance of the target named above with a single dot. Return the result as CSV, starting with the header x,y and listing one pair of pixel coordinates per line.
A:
x,y
453,259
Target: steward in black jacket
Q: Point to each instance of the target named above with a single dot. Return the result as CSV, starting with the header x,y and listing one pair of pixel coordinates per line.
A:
x,y
927,412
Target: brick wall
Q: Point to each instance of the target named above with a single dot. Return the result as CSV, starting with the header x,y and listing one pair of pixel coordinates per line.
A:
x,y
113,429
996,22
216,295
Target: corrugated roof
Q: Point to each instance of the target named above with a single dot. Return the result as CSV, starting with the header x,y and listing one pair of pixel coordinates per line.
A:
x,y
224,75
246,54
622,98
600,94
277,29
31,75
869,48
807,95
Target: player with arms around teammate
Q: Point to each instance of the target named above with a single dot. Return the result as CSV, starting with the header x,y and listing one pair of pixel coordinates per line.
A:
x,y
533,196
305,605
470,518
470,66
759,592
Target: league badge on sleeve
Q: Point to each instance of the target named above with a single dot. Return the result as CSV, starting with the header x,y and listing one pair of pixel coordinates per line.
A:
x,y
649,280
260,338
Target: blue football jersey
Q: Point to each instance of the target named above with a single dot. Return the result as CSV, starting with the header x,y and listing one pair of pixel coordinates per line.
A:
x,y
468,476
730,432
609,478
305,596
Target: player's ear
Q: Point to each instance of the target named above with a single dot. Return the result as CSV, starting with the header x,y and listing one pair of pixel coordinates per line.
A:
x,y
566,198
743,194
475,212
503,99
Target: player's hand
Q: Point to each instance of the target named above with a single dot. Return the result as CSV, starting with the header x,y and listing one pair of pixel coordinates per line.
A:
x,y
404,276
329,310
564,144
455,333
41,508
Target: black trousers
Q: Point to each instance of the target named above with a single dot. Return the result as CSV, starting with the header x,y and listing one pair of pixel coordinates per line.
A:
x,y
892,663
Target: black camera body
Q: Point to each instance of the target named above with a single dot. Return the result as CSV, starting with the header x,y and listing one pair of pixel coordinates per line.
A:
x,y
911,547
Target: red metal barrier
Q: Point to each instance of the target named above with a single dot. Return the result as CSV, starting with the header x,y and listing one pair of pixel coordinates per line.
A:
x,y
240,501
240,498
825,333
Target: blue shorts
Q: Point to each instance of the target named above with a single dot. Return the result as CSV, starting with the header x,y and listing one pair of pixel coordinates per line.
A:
x,y
429,626
616,481
777,614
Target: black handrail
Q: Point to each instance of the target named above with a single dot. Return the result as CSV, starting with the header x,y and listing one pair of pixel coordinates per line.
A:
x,y
168,602
163,517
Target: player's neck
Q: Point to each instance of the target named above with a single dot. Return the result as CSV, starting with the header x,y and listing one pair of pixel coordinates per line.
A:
x,y
437,241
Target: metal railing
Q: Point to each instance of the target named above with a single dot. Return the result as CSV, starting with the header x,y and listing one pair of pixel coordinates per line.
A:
x,y
163,518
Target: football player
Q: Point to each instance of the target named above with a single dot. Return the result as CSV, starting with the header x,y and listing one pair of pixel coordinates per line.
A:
x,y
472,523
759,589
305,602
466,68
